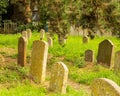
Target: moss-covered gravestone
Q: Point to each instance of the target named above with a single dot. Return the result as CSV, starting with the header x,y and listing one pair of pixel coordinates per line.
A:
x,y
22,47
59,76
39,61
117,62
104,87
89,56
106,53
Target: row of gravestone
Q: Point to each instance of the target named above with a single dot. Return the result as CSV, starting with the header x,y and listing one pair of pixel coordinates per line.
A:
x,y
103,86
28,34
59,73
105,55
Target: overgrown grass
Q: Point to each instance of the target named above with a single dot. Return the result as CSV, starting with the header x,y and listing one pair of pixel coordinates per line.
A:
x,y
23,90
30,90
12,73
73,54
87,76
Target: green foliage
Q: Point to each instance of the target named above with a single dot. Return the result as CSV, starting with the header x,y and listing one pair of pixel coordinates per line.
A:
x,y
3,5
98,15
32,26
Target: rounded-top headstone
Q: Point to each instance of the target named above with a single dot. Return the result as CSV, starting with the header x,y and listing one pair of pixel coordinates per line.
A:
x,y
106,53
42,34
59,76
89,56
104,87
29,33
39,61
22,47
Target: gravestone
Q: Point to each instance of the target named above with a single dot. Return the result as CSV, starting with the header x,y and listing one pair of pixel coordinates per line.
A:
x,y
29,33
38,61
85,39
89,56
117,62
25,35
106,53
59,76
50,42
104,87
42,34
22,46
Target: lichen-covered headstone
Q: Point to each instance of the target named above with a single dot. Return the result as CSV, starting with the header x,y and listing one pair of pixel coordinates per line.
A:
x,y
38,61
117,62
106,53
42,34
85,39
29,33
25,35
104,87
50,42
89,56
59,76
22,46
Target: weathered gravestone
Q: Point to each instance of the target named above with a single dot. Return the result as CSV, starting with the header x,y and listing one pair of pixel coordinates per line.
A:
x,y
117,62
59,76
38,61
106,53
50,42
85,39
104,87
89,56
42,34
22,46
29,33
24,34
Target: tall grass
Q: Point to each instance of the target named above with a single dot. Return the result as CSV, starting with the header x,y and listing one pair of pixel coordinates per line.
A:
x,y
29,90
73,54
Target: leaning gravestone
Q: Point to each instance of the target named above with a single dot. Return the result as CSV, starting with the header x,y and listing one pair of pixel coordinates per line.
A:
x,y
22,46
59,76
85,39
24,34
117,62
50,42
38,61
104,87
106,53
42,34
29,33
89,56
